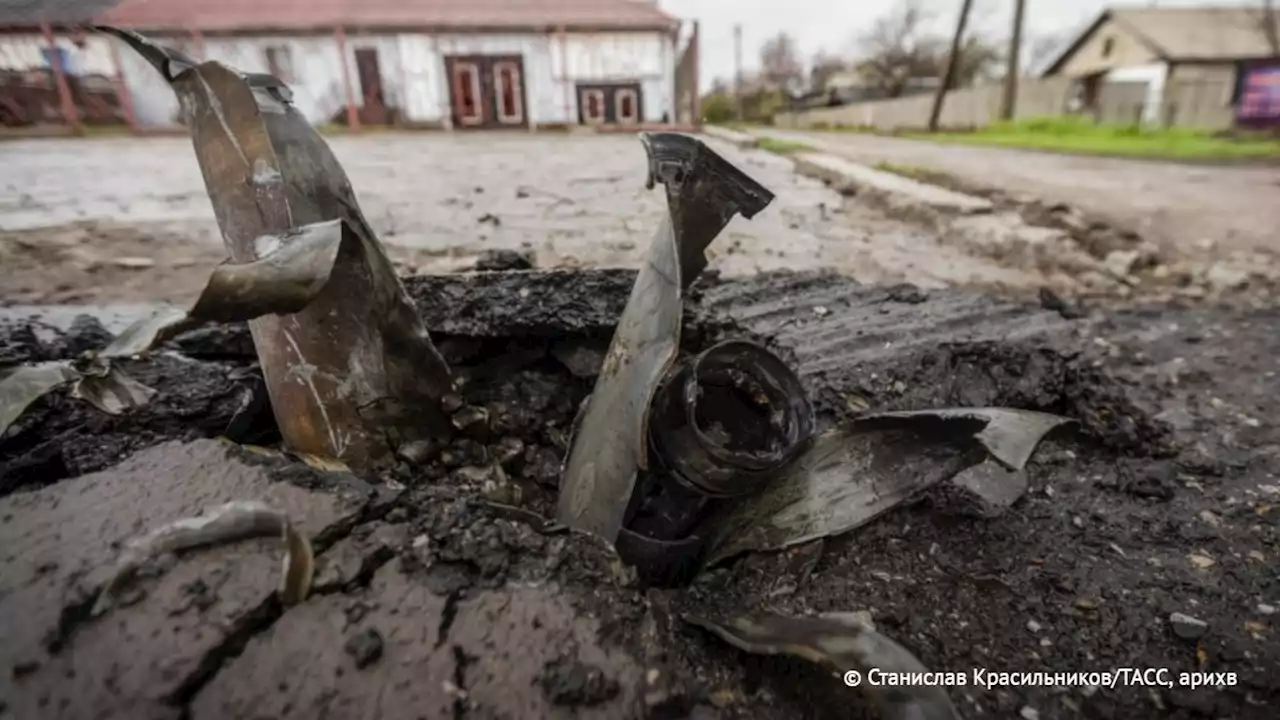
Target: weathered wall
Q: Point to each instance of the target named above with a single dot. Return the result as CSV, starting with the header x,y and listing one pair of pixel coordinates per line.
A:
x,y
1093,55
645,58
1181,101
315,77
413,76
28,86
972,107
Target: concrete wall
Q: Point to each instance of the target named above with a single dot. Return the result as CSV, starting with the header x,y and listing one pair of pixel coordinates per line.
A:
x,y
1093,56
26,52
968,108
412,69
645,58
1183,97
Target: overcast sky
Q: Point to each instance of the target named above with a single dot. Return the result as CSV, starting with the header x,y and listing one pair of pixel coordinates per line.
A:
x,y
832,24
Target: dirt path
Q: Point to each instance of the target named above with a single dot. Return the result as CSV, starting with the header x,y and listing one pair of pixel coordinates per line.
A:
x,y
1191,207
126,220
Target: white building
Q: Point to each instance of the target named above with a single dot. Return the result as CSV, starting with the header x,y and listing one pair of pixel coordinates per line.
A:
x,y
435,63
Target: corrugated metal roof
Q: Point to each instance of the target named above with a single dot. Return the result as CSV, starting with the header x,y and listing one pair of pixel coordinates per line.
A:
x,y
66,12
1210,33
233,15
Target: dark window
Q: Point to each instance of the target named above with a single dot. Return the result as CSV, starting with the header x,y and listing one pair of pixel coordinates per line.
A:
x,y
507,77
595,105
466,79
1108,45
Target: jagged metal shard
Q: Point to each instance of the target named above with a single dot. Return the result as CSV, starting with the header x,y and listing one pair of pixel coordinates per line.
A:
x,y
283,281
856,472
704,192
352,373
839,644
237,520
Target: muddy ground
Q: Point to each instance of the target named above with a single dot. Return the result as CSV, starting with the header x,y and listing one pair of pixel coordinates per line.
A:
x,y
433,601
127,220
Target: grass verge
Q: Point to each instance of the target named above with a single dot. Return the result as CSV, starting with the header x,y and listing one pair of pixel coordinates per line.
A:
x,y
783,147
1075,135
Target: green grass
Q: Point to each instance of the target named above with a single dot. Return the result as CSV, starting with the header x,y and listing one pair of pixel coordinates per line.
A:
x,y
783,147
915,172
1075,135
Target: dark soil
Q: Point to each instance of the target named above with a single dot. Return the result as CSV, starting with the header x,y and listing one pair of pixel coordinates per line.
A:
x,y
1175,456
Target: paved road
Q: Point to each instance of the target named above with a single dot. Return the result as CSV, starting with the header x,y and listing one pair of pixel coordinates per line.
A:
x,y
127,219
1179,205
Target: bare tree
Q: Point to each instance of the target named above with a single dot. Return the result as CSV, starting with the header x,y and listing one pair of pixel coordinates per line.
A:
x,y
896,47
1038,50
822,67
903,44
780,63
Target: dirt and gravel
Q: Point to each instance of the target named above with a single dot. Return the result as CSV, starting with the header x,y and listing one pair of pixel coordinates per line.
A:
x,y
127,220
1200,210
437,599
441,591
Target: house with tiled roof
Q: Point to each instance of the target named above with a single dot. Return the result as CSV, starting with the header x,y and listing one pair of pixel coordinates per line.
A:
x,y
461,64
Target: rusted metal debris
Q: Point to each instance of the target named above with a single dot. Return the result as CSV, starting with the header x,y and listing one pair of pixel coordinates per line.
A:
x,y
840,643
704,192
283,280
352,374
229,522
858,471
686,464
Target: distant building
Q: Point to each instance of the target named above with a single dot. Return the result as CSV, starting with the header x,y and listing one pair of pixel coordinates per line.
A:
x,y
1139,55
448,63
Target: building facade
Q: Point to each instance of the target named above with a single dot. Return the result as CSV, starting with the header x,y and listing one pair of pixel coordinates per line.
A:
x,y
523,64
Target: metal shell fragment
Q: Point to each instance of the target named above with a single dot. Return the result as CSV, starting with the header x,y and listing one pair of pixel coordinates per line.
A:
x,y
610,447
353,373
839,646
239,520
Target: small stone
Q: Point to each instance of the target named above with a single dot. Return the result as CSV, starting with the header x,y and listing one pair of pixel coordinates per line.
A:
x,y
133,263
1265,609
365,647
508,451
1201,561
575,683
1077,521
1220,277
1257,556
472,420
821,311
1029,713
1210,519
1034,626
417,452
451,403
1187,627
1121,262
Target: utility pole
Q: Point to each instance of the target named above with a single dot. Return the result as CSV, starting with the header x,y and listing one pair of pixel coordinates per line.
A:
x,y
952,61
737,71
1009,102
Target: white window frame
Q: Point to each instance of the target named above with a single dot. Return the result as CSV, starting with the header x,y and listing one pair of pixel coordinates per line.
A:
x,y
618,95
516,117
